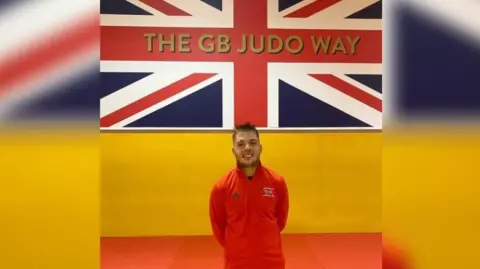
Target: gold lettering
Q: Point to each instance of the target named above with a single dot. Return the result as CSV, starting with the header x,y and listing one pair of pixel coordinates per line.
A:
x,y
339,46
321,44
184,43
223,44
162,42
288,44
150,38
353,44
210,48
270,43
252,44
243,49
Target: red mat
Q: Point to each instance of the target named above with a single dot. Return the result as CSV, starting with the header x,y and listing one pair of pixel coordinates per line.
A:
x,y
320,251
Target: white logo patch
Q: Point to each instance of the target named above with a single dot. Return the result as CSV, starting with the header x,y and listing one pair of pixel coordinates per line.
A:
x,y
268,192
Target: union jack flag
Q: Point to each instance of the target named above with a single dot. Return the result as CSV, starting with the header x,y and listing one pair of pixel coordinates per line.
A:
x,y
57,75
48,69
151,89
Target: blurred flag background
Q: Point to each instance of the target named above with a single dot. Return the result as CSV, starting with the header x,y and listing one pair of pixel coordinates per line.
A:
x,y
48,60
49,154
430,183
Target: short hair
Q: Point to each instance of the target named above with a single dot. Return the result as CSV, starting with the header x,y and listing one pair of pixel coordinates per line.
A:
x,y
245,127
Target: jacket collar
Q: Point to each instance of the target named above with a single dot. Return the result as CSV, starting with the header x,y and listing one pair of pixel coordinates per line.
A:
x,y
257,170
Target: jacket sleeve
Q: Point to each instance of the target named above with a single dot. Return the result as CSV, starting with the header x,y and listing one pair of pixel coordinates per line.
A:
x,y
218,215
282,205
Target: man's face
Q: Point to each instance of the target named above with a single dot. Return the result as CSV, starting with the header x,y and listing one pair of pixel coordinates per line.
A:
x,y
247,148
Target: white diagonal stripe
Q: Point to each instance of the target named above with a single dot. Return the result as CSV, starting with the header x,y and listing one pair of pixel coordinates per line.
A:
x,y
145,7
167,102
335,98
462,16
330,18
164,74
360,86
197,8
25,24
163,21
203,15
297,76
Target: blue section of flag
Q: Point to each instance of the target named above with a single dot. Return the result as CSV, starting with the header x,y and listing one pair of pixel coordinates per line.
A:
x,y
218,4
75,97
200,109
112,82
372,81
6,3
298,109
284,4
120,7
438,71
374,11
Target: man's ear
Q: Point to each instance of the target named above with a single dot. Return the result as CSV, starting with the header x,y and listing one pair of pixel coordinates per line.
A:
x,y
233,151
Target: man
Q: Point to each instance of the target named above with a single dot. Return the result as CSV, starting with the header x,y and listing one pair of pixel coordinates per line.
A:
x,y
249,207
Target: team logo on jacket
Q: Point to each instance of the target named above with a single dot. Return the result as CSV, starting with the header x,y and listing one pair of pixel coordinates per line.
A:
x,y
268,192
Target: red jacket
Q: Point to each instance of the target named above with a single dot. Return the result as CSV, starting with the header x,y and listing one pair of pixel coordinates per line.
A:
x,y
247,216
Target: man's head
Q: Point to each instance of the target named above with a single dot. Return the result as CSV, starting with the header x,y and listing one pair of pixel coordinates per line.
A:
x,y
246,145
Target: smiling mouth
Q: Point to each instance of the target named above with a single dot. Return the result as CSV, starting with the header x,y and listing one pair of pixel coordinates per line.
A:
x,y
247,156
